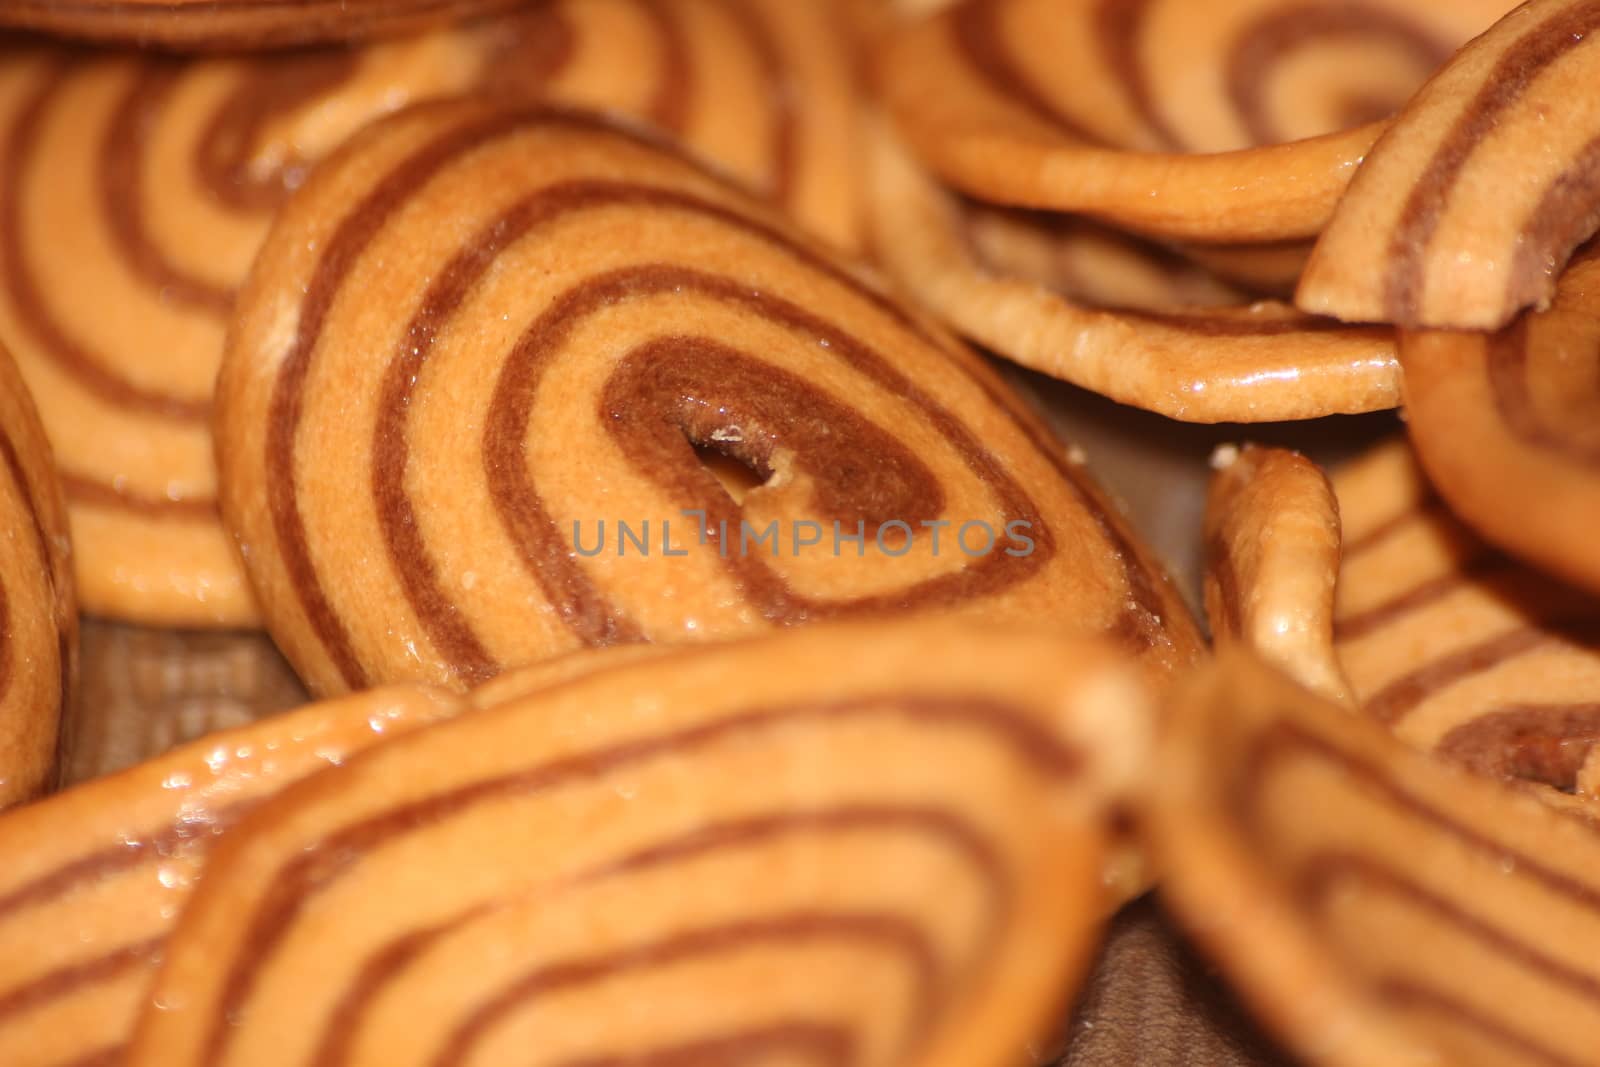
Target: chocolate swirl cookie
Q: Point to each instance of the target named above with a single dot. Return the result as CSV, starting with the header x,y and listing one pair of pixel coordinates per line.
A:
x,y
96,876
736,842
1272,557
1234,121
1375,906
135,191
1466,210
505,384
234,25
1130,322
1457,648
1506,425
38,608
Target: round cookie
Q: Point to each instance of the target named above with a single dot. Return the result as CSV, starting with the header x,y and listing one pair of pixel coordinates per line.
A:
x,y
234,25
1468,207
136,190
736,842
38,607
1154,339
1505,425
1239,121
1373,905
505,384
1272,556
97,875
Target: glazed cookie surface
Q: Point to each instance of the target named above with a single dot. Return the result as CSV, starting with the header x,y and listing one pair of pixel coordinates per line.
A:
x,y
97,875
1123,320
506,384
735,842
1373,905
38,607
1236,121
135,191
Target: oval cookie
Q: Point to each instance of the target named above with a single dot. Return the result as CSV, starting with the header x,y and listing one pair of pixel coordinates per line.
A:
x,y
96,876
1455,647
533,384
38,607
135,191
1164,349
1271,560
1505,425
234,25
735,842
1214,122
1467,209
1374,906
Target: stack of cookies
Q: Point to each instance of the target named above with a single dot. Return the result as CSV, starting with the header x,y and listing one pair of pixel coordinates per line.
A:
x,y
717,659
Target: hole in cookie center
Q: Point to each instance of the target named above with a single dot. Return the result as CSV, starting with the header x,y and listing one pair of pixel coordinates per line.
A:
x,y
737,476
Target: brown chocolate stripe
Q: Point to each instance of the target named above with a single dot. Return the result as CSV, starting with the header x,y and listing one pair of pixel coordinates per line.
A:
x,y
27,300
782,96
1428,201
1416,997
383,965
64,981
1264,44
890,932
1546,743
1566,215
827,1045
1403,695
1118,24
49,566
418,576
1421,510
980,39
1506,364
91,492
1365,623
316,868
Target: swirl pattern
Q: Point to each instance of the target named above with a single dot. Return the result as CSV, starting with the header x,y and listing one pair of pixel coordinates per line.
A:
x,y
1272,556
38,607
1527,400
1457,648
1156,346
1421,915
1468,208
141,188
735,841
97,874
1231,122
591,308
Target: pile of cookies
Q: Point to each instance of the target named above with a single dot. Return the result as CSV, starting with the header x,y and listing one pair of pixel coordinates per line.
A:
x,y
718,660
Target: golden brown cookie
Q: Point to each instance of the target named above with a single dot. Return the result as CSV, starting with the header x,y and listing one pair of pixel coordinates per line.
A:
x,y
1455,647
95,877
1234,121
1508,426
135,191
1468,207
1160,345
735,842
1374,905
234,25
1272,556
505,384
38,607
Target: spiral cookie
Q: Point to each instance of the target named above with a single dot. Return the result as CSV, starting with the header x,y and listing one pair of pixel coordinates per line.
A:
x,y
1469,206
470,374
1506,426
1375,906
38,609
96,875
135,191
1243,362
1272,555
1457,648
736,842
233,25
1234,121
